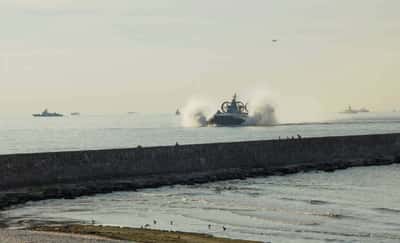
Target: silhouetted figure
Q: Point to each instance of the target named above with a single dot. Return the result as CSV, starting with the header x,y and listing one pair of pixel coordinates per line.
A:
x,y
279,138
154,221
298,136
223,227
177,144
171,222
292,137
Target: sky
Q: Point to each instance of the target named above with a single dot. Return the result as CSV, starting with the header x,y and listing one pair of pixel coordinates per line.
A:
x,y
104,56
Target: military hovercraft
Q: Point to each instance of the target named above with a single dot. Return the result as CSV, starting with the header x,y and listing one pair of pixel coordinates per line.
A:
x,y
232,113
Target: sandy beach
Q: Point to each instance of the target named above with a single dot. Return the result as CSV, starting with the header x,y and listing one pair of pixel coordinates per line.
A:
x,y
28,236
133,234
103,234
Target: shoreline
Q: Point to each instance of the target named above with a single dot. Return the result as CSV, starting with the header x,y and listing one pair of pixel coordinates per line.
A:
x,y
335,216
137,234
11,198
68,175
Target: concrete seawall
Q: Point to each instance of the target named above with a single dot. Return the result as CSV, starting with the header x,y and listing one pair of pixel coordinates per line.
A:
x,y
25,177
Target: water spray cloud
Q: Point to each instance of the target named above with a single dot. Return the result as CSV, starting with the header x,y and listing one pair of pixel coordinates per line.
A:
x,y
196,113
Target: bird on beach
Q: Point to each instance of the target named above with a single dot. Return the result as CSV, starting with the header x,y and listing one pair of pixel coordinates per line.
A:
x,y
154,221
223,227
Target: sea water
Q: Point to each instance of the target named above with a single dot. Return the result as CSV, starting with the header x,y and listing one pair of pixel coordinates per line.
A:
x,y
27,134
353,205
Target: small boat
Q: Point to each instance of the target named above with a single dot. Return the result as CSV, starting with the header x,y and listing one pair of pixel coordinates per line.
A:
x,y
75,113
232,113
46,113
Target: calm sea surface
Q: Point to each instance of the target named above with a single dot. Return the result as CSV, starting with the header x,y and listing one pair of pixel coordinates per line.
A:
x,y
29,134
353,205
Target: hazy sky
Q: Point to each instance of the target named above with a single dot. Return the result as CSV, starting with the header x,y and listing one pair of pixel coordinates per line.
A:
x,y
131,55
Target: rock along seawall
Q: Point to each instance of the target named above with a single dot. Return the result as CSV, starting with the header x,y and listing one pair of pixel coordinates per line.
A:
x,y
25,177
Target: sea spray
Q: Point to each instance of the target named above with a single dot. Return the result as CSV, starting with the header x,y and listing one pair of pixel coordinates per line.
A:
x,y
261,115
196,113
268,107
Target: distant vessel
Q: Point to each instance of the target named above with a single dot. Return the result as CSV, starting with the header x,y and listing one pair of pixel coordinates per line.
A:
x,y
177,112
232,113
75,113
46,113
349,110
132,112
363,110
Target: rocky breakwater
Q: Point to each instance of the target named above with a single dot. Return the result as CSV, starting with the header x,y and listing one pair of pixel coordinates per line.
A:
x,y
32,177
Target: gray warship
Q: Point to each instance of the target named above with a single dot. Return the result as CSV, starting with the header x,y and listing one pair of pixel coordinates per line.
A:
x,y
232,113
46,113
349,110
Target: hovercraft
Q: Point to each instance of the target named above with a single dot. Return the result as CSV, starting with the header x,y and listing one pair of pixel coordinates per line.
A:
x,y
231,113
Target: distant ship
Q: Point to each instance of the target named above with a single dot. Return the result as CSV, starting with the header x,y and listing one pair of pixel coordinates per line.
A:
x,y
75,113
232,113
349,110
177,112
46,113
363,110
